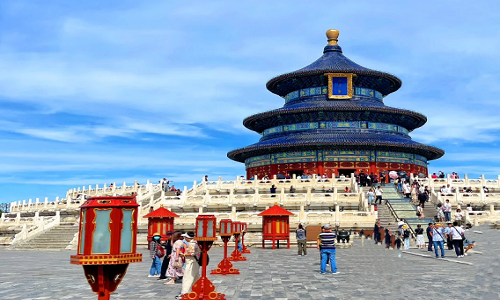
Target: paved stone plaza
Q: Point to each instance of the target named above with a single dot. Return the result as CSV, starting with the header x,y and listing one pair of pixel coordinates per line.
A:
x,y
366,272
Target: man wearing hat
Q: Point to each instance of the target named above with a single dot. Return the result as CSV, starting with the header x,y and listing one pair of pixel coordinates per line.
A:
x,y
168,250
153,253
192,270
326,245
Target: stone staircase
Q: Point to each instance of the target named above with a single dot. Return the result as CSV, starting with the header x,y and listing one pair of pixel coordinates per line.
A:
x,y
405,209
385,216
58,238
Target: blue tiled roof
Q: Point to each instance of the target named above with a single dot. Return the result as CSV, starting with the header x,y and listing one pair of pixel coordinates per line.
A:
x,y
340,110
345,139
333,61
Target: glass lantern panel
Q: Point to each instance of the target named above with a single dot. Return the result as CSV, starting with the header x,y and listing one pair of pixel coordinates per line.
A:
x,y
101,241
210,229
82,234
199,233
126,238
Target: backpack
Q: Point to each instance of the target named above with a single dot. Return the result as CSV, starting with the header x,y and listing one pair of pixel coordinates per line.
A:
x,y
406,233
160,251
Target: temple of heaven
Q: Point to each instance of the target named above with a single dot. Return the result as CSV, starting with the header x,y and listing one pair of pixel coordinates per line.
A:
x,y
334,121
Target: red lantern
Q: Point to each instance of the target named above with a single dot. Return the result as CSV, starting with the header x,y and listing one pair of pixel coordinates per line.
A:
x,y
107,241
244,231
203,288
225,267
236,255
226,227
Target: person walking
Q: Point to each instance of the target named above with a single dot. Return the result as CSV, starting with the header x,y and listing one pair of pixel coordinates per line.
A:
x,y
300,234
326,244
370,195
420,237
422,198
459,216
440,212
406,236
457,235
438,239
376,232
192,270
447,210
155,255
420,212
378,195
429,236
175,270
168,251
407,189
388,238
448,232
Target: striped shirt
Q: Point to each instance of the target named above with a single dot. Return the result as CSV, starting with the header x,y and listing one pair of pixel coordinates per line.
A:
x,y
327,240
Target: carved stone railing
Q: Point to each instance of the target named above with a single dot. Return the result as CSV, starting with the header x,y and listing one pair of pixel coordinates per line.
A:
x,y
36,226
76,197
478,183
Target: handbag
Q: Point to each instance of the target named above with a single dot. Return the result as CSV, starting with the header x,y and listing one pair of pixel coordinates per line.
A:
x,y
418,214
179,263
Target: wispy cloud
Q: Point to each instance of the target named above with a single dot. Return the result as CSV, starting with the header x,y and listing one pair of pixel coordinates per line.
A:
x,y
98,92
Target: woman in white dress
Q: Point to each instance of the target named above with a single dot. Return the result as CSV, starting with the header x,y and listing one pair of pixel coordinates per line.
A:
x,y
420,237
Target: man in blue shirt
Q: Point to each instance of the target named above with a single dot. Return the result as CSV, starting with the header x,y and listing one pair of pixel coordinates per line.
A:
x,y
438,239
326,245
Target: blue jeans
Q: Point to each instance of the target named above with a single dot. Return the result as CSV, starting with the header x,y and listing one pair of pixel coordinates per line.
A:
x,y
447,216
240,246
441,246
325,253
407,243
155,266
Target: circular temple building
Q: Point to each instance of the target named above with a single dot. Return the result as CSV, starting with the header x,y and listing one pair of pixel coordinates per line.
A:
x,y
334,121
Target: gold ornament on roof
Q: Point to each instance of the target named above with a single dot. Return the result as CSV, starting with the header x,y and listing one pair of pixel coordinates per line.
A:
x,y
332,36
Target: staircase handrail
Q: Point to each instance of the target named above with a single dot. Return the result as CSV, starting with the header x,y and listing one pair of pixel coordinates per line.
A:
x,y
395,215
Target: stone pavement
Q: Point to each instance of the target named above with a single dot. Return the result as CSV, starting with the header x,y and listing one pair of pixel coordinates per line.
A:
x,y
366,272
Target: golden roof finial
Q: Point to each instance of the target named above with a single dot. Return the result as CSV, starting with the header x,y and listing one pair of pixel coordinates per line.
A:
x,y
161,205
332,35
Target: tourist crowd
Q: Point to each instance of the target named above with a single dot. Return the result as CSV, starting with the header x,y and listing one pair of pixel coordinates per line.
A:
x,y
181,259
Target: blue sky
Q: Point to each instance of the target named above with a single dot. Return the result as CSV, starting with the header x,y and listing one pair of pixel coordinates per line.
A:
x,y
112,91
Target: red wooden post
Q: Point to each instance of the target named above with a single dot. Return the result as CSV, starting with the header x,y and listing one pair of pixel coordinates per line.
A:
x,y
225,267
244,231
203,288
236,255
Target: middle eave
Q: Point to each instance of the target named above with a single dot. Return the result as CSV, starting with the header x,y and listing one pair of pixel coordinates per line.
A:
x,y
346,111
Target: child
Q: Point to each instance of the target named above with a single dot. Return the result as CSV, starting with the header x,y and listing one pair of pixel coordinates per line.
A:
x,y
398,241
388,238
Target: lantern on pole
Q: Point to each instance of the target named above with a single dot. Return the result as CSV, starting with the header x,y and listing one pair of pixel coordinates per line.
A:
x,y
225,267
107,241
236,255
203,288
244,230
